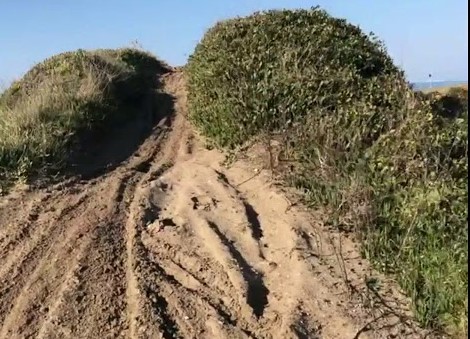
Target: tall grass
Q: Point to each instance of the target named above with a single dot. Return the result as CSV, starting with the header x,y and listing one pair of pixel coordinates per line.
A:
x,y
44,115
39,127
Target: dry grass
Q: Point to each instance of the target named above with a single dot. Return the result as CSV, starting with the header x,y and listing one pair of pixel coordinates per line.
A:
x,y
444,89
44,115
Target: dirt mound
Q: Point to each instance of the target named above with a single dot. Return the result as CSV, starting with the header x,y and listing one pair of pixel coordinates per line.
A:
x,y
170,244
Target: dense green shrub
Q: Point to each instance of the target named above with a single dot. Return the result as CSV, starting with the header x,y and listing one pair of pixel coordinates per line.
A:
x,y
383,160
267,70
44,115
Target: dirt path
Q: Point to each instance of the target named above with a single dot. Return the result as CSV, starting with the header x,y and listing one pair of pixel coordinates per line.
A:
x,y
170,244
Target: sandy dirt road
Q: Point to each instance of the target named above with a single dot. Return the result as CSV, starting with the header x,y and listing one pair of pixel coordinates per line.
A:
x,y
171,244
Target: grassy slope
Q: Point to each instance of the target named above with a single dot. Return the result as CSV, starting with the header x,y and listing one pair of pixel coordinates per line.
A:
x,y
45,115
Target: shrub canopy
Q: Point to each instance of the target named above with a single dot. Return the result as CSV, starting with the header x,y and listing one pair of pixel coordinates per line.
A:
x,y
267,70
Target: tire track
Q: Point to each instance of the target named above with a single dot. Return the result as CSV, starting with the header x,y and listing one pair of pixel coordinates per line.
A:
x,y
94,307
201,269
16,230
35,239
46,259
245,288
22,267
177,306
53,307
257,293
40,287
206,296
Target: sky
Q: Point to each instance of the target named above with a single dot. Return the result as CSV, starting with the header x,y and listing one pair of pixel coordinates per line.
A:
x,y
423,36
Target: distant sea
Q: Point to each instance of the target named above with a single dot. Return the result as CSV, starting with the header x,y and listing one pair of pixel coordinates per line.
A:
x,y
434,84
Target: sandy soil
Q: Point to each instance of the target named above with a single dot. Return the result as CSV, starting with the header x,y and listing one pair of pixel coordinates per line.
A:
x,y
171,244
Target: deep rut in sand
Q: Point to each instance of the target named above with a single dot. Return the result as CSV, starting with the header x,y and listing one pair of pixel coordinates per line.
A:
x,y
169,244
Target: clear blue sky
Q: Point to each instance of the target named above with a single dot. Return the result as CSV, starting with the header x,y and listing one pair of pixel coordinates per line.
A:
x,y
423,36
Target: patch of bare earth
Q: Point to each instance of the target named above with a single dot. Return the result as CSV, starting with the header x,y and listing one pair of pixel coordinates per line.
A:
x,y
171,244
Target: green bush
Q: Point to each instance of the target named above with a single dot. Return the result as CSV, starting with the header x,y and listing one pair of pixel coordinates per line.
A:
x,y
45,115
265,71
384,161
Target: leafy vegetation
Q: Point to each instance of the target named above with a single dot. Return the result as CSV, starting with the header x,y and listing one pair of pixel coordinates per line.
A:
x,y
384,161
266,71
45,115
